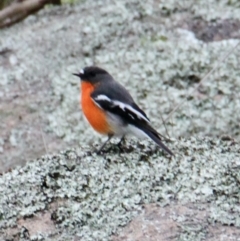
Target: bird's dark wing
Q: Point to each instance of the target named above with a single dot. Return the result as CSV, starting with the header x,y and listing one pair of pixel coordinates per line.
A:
x,y
117,100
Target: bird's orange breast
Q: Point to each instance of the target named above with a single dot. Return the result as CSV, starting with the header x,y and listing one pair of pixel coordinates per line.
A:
x,y
95,116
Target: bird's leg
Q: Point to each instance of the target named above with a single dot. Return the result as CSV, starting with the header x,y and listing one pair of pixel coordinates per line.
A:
x,y
119,144
122,140
104,144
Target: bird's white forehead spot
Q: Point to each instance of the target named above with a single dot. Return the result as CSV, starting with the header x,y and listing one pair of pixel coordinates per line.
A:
x,y
81,71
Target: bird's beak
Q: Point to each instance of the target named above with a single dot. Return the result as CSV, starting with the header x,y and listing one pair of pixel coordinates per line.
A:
x,y
77,74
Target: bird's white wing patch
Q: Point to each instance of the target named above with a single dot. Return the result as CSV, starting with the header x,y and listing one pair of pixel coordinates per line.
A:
x,y
102,100
124,106
102,97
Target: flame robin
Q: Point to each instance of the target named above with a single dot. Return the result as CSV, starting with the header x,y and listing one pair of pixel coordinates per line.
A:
x,y
111,110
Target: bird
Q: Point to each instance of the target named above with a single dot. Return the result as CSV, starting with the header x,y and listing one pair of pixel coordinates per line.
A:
x,y
111,110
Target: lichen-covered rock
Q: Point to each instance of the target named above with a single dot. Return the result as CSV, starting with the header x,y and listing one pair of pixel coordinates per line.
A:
x,y
160,51
148,46
89,197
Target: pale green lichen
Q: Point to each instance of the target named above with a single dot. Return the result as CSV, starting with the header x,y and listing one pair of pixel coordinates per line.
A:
x,y
103,193
142,48
163,72
139,44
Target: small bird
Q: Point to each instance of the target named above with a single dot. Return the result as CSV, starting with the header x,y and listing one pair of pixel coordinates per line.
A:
x,y
111,110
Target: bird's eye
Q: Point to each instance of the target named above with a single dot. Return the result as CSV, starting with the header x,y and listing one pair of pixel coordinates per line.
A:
x,y
92,74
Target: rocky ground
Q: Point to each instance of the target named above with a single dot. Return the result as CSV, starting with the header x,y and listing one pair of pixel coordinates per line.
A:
x,y
160,51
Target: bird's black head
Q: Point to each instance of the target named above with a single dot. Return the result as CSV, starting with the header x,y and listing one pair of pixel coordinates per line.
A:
x,y
92,74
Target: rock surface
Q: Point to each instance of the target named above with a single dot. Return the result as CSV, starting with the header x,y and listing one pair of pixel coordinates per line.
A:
x,y
160,51
77,195
155,49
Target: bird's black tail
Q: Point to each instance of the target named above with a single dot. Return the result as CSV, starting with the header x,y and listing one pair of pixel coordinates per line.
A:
x,y
155,137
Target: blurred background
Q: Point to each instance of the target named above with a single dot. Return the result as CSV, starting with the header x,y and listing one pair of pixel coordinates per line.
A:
x,y
159,50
